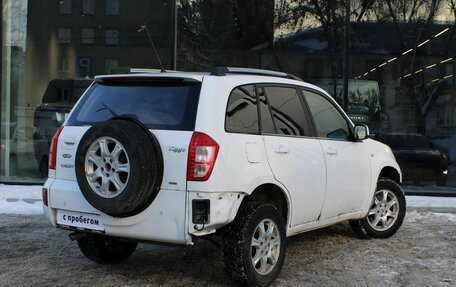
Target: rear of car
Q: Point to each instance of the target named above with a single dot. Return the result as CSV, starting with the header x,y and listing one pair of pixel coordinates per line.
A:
x,y
166,108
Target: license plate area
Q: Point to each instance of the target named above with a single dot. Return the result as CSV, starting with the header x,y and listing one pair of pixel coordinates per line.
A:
x,y
79,220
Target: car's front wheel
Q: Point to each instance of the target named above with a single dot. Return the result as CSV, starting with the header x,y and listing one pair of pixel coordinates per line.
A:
x,y
106,250
254,245
386,212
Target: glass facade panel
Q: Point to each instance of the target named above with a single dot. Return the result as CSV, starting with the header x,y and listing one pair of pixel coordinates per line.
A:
x,y
389,64
51,50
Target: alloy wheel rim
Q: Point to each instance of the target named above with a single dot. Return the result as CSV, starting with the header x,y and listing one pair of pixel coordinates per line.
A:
x,y
265,246
107,167
384,210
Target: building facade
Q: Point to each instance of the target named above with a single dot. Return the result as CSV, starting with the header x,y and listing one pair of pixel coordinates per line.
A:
x,y
396,58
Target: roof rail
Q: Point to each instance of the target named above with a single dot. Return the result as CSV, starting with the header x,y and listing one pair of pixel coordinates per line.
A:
x,y
145,70
222,71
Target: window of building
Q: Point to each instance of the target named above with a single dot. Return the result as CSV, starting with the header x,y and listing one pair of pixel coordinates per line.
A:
x,y
287,111
112,37
112,7
64,35
88,7
111,63
242,112
88,35
63,64
64,6
328,120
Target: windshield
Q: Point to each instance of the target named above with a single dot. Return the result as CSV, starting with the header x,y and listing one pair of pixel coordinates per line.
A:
x,y
157,105
358,108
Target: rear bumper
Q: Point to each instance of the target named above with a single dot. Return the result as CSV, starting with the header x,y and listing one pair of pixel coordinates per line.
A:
x,y
169,219
163,221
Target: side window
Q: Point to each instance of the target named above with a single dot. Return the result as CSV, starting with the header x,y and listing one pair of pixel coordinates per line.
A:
x,y
328,120
267,126
287,111
241,112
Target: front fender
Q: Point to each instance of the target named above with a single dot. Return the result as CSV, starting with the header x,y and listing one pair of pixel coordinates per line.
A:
x,y
381,157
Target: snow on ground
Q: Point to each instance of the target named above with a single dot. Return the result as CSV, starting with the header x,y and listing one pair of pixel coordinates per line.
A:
x,y
431,201
23,199
416,217
20,199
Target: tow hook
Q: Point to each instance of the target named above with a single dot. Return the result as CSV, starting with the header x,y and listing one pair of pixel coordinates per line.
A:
x,y
77,235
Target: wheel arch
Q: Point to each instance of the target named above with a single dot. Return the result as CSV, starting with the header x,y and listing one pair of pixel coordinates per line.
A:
x,y
391,173
272,194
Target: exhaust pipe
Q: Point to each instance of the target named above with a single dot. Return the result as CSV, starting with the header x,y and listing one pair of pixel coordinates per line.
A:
x,y
77,235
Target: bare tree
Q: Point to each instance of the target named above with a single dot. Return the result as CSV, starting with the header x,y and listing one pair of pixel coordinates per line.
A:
x,y
420,14
212,29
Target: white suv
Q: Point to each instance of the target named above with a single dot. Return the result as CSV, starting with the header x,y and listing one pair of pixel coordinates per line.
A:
x,y
250,156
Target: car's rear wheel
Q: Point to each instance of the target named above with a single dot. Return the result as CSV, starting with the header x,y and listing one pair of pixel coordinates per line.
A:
x,y
106,250
386,212
14,165
441,180
44,167
119,167
254,245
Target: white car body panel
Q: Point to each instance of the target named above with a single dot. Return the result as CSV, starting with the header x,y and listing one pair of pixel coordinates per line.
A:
x,y
348,177
163,220
298,163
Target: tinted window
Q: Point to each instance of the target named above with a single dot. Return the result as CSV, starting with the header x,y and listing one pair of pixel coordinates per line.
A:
x,y
267,126
287,111
328,120
157,105
241,112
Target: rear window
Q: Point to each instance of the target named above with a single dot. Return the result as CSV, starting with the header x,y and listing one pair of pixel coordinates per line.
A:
x,y
170,105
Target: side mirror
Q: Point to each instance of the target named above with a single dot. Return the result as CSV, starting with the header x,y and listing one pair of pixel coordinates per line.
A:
x,y
361,132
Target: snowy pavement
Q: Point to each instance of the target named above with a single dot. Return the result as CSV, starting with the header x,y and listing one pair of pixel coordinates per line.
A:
x,y
26,200
421,253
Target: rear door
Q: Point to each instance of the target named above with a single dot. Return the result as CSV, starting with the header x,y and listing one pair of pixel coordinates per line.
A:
x,y
347,161
294,155
166,107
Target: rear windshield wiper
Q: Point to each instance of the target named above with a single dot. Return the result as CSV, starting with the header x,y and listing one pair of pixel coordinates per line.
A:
x,y
105,107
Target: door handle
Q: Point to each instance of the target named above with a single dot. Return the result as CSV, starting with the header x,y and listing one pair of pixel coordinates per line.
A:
x,y
282,150
331,151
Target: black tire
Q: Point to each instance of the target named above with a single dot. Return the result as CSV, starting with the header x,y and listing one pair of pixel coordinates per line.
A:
x,y
365,228
44,167
441,180
141,184
14,165
237,244
106,250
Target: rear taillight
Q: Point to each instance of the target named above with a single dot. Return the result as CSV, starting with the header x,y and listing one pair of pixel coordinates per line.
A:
x,y
53,150
201,157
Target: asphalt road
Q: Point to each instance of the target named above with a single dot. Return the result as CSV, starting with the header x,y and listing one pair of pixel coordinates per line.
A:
x,y
422,253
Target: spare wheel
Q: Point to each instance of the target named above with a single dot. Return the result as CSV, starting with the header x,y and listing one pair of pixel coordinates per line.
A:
x,y
119,167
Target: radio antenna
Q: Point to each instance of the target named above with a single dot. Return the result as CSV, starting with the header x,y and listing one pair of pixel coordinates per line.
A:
x,y
144,28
